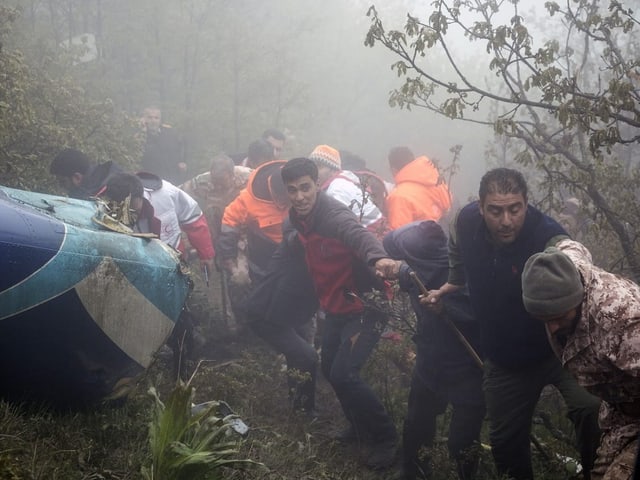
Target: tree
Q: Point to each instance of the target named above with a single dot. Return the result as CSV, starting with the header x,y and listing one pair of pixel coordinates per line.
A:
x,y
42,111
570,102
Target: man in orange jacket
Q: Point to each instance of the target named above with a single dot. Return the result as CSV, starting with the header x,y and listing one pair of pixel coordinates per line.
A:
x,y
258,210
419,193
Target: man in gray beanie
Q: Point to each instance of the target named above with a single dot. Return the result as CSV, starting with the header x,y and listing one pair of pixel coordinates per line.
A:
x,y
553,289
593,321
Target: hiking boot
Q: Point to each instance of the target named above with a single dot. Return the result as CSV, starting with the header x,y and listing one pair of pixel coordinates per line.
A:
x,y
381,455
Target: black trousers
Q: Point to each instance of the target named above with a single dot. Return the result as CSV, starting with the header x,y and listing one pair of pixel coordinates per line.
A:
x,y
347,342
424,406
302,360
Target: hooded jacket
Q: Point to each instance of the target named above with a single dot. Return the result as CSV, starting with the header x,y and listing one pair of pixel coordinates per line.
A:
x,y
259,210
418,194
442,361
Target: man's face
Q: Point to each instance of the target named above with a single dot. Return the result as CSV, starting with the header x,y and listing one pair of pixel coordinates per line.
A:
x,y
68,183
504,215
277,145
561,326
303,193
151,118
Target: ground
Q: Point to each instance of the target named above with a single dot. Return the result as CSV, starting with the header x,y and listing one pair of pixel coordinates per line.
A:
x,y
110,442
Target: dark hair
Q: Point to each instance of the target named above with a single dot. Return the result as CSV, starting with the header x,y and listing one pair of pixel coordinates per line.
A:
x,y
400,156
351,161
502,180
221,164
260,151
274,133
70,161
121,185
297,168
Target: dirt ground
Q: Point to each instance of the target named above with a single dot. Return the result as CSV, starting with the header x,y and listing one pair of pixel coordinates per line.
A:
x,y
111,442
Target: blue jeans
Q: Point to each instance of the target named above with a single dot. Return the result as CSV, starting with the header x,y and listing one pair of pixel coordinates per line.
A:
x,y
347,342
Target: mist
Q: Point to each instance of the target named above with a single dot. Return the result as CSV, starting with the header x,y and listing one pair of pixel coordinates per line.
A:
x,y
224,71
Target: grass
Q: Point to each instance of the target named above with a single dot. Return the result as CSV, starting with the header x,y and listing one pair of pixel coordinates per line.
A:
x,y
111,442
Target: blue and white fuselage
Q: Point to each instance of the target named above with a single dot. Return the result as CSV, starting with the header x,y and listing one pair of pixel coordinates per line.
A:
x,y
80,307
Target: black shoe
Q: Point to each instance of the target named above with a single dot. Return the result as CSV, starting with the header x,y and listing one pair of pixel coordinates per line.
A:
x,y
381,455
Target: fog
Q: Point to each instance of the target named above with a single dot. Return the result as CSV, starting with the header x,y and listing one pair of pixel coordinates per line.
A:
x,y
223,71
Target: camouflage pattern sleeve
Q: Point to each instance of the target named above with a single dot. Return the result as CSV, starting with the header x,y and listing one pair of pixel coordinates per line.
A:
x,y
603,353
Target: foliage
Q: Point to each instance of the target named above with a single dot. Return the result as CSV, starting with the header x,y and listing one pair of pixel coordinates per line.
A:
x,y
190,446
569,104
214,67
42,111
112,443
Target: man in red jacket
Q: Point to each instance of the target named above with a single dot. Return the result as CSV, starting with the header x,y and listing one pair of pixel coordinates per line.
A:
x,y
345,260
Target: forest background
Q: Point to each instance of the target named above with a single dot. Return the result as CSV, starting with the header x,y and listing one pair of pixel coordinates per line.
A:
x,y
552,89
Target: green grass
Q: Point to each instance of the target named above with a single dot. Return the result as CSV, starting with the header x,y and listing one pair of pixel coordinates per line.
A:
x,y
113,442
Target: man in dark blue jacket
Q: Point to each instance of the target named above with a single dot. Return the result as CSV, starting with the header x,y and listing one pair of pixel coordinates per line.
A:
x,y
489,243
445,371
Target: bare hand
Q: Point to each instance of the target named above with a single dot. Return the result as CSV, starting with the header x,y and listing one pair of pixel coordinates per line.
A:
x,y
387,268
433,299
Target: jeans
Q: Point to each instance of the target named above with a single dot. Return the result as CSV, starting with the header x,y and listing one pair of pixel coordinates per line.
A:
x,y
347,342
511,398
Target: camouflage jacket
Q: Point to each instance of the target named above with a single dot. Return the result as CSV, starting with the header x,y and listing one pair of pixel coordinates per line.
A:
x,y
213,202
603,352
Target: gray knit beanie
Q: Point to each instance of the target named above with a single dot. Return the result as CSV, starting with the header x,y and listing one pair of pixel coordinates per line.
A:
x,y
551,284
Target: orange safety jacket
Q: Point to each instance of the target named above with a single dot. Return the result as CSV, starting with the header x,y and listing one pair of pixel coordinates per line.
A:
x,y
419,194
259,212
